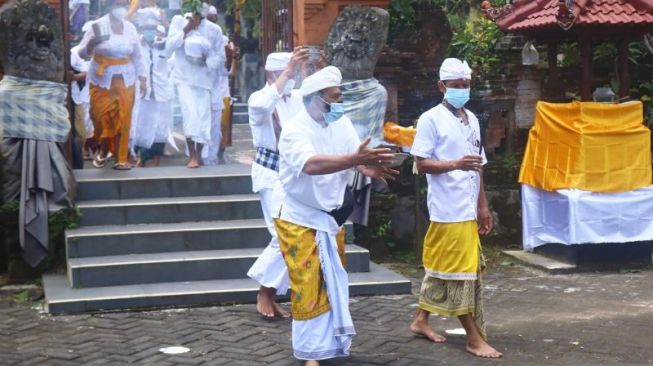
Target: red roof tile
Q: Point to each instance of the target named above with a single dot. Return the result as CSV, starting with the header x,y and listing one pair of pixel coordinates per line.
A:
x,y
594,12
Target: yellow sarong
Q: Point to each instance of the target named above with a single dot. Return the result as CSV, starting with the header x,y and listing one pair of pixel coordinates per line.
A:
x,y
103,62
111,113
451,250
225,122
299,249
595,147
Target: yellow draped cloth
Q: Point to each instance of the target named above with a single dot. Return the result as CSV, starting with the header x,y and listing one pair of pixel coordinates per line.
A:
x,y
299,249
104,62
451,250
225,122
590,146
111,113
398,135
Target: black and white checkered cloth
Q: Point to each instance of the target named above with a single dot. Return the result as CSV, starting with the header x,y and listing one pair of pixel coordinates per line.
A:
x,y
267,158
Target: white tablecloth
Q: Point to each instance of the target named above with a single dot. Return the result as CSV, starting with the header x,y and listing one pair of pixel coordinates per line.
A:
x,y
572,216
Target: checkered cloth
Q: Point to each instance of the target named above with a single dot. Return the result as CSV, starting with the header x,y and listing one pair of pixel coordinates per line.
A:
x,y
267,158
365,103
33,109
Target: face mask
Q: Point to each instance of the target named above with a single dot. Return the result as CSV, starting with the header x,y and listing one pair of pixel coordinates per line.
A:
x,y
336,111
149,35
119,13
457,97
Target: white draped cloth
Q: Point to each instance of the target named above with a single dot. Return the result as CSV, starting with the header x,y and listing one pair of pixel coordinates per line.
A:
x,y
572,216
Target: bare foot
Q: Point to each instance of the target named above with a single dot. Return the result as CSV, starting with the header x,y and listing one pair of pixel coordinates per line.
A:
x,y
193,164
482,349
424,330
280,312
312,363
265,304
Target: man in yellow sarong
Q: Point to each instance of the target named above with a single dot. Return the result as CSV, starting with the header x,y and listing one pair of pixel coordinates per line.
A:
x,y
447,148
116,64
318,146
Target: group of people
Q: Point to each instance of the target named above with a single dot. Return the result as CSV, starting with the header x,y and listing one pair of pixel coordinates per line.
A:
x,y
306,147
125,74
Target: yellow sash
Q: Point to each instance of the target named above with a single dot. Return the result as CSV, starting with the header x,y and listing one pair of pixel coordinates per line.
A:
x,y
104,62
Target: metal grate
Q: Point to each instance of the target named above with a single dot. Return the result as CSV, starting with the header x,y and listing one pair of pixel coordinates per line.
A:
x,y
277,26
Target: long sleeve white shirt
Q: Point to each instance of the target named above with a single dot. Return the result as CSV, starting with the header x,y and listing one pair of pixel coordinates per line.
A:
x,y
118,46
187,73
261,106
158,78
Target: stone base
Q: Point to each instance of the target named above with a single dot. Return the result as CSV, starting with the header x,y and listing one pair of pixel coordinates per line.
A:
x,y
609,256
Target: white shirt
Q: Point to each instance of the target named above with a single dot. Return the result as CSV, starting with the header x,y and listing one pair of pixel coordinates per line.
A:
x,y
222,82
184,72
260,107
452,196
309,196
78,95
123,45
158,78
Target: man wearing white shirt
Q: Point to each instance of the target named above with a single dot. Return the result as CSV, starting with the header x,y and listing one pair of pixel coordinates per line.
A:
x,y
447,148
318,147
199,52
268,110
210,155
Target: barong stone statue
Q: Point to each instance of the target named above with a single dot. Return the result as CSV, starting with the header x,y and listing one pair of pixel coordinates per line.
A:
x,y
354,44
35,121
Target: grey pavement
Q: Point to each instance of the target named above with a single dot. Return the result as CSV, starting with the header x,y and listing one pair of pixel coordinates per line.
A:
x,y
533,317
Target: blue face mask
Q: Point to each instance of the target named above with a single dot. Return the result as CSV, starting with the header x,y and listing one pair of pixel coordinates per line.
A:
x,y
336,111
457,97
149,35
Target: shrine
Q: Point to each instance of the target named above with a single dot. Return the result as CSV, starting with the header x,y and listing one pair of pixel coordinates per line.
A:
x,y
586,174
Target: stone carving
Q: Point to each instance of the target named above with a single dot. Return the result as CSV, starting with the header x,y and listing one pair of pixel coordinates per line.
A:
x,y
31,42
356,39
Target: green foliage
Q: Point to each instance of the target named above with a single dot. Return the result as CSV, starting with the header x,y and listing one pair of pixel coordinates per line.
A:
x,y
192,6
22,297
251,12
475,39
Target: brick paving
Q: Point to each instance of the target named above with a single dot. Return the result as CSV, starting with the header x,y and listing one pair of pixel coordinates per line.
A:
x,y
534,318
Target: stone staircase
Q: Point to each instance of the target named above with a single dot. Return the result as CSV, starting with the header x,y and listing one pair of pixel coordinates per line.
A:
x,y
172,236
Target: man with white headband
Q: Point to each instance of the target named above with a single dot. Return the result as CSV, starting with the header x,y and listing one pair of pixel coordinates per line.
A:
x,y
447,148
318,147
199,52
269,109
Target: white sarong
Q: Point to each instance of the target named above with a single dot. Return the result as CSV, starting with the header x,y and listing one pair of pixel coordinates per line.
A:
x,y
270,270
195,106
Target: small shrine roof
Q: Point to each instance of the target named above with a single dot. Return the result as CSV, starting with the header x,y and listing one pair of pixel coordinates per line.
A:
x,y
527,16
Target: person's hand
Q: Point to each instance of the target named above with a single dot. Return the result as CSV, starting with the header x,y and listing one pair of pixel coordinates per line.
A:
x,y
193,23
299,56
469,162
90,46
382,173
485,223
143,86
369,156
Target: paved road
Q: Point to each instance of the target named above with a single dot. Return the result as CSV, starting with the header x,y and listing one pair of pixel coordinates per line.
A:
x,y
536,319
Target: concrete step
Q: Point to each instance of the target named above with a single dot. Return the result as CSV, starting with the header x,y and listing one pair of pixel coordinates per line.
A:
x,y
95,241
179,266
240,107
240,118
169,210
62,299
170,181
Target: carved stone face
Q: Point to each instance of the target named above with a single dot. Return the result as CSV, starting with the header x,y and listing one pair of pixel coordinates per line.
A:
x,y
355,41
31,42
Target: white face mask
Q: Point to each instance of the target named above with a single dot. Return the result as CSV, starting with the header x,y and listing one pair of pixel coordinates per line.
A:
x,y
119,13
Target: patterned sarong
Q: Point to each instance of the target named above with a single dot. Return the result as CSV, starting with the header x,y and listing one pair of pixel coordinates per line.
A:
x,y
33,109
